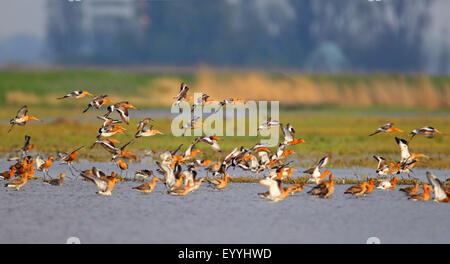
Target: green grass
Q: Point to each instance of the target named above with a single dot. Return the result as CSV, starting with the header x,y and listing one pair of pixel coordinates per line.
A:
x,y
344,137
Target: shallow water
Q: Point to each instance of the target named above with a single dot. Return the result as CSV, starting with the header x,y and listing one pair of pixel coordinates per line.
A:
x,y
48,214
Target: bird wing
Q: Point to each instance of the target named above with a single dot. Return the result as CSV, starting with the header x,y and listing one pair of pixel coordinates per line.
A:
x,y
438,187
287,135
404,149
322,162
101,184
381,161
22,111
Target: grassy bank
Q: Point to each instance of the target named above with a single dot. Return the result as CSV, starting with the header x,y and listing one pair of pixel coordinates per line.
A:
x,y
344,137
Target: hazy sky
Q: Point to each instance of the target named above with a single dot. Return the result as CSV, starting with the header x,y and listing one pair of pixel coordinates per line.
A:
x,y
22,16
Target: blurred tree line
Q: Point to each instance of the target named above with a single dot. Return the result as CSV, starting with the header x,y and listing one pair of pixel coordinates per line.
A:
x,y
315,35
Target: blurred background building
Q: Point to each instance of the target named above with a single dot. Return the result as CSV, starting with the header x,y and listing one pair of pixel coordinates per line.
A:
x,y
309,35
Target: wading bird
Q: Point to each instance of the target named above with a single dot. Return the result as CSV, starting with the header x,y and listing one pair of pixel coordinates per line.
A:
x,y
425,196
18,183
221,183
56,182
441,193
358,189
9,174
44,166
69,158
123,166
182,190
142,174
324,189
410,190
147,187
105,184
387,185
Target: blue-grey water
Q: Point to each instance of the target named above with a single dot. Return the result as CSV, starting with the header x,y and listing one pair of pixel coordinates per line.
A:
x,y
41,213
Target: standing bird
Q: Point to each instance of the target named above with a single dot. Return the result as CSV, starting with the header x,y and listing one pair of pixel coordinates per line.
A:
x,y
358,189
387,185
98,102
148,186
143,174
9,174
428,132
182,190
18,182
425,196
410,190
123,166
370,186
44,167
56,182
69,158
76,94
296,188
221,183
387,128
21,118
324,189
196,184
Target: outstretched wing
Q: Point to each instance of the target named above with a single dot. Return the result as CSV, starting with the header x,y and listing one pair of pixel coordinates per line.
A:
x,y
404,149
22,111
322,162
438,187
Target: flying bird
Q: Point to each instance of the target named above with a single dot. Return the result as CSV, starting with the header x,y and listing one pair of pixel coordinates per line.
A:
x,y
387,128
21,118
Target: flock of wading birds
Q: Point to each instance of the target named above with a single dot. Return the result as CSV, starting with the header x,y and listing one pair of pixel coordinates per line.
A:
x,y
179,181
